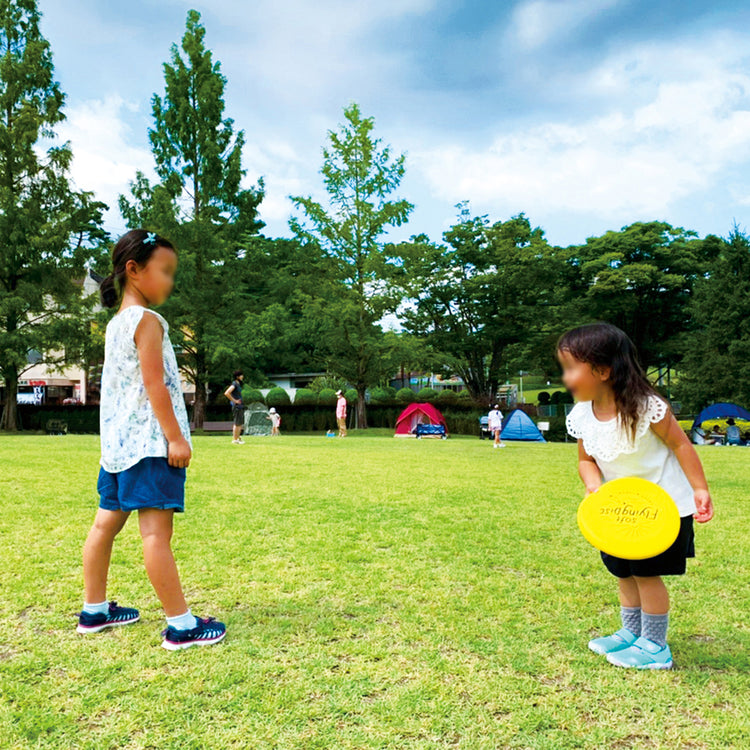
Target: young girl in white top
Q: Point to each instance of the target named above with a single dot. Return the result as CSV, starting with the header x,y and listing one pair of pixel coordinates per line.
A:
x,y
275,418
145,442
495,425
625,429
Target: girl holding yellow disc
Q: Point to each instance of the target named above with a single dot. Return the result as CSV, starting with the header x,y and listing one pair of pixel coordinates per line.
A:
x,y
625,429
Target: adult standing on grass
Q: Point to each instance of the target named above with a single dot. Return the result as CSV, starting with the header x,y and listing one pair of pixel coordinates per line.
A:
x,y
341,413
625,429
145,440
234,394
495,425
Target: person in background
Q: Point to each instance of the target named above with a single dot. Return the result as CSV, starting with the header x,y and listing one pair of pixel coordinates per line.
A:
x,y
341,413
733,433
495,425
716,437
275,418
234,394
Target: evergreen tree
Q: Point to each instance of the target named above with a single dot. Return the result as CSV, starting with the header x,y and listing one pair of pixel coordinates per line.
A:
x,y
359,175
200,204
717,351
48,231
641,280
492,287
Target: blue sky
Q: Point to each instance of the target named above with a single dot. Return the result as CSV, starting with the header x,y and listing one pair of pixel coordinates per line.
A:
x,y
586,115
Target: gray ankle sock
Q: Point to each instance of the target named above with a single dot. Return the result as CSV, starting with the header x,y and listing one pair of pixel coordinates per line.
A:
x,y
631,619
654,627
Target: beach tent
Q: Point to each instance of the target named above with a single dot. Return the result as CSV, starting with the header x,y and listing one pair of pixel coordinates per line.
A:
x,y
415,414
722,410
518,426
257,422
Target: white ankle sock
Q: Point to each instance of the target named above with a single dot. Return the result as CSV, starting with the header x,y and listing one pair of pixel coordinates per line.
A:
x,y
183,622
96,609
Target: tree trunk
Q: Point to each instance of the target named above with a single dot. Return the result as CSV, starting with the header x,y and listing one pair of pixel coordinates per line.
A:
x,y
199,407
9,417
361,410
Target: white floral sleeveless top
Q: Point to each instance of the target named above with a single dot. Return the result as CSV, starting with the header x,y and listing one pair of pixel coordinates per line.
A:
x,y
129,428
618,455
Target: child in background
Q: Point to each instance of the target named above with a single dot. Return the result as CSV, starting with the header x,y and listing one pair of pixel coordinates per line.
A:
x,y
275,418
625,429
145,442
495,425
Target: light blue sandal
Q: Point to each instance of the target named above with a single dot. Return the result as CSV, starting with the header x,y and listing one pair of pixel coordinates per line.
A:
x,y
643,654
623,638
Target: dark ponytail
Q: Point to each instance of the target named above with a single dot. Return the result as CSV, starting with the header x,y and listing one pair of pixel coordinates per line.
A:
x,y
107,291
604,345
137,245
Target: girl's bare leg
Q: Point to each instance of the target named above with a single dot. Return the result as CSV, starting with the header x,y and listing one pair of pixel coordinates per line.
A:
x,y
629,594
97,552
653,595
156,532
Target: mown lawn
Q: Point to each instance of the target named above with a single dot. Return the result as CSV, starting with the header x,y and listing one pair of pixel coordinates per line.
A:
x,y
379,593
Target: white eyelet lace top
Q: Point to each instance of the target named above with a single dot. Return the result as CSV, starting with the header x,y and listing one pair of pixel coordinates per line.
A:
x,y
617,455
129,428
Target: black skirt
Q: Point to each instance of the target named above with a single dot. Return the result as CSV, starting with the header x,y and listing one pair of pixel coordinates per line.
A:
x,y
671,562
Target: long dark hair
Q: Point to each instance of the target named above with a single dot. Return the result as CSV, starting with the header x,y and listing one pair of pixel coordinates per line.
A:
x,y
138,245
605,345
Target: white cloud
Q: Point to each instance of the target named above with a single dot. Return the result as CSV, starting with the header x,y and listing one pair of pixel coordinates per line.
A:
x,y
291,67
306,55
639,158
104,158
282,169
535,22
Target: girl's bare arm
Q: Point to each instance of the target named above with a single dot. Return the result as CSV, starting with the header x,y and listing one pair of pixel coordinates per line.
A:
x,y
677,441
148,341
588,470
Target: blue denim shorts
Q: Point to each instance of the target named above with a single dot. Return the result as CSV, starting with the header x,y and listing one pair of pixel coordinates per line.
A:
x,y
151,483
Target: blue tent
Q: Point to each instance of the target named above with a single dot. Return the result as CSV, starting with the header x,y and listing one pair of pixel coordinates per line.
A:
x,y
518,426
720,411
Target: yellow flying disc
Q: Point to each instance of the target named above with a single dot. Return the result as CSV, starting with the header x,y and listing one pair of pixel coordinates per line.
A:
x,y
630,518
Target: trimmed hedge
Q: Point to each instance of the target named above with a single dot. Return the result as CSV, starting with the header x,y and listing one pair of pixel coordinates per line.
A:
x,y
561,397
462,419
406,395
447,397
79,418
252,395
305,397
385,395
327,397
427,394
277,397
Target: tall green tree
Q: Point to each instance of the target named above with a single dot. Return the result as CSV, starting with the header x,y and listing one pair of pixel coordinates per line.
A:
x,y
717,350
641,279
199,202
360,176
491,286
279,331
48,231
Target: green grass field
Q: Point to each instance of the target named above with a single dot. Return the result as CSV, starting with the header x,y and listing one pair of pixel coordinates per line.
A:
x,y
379,593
